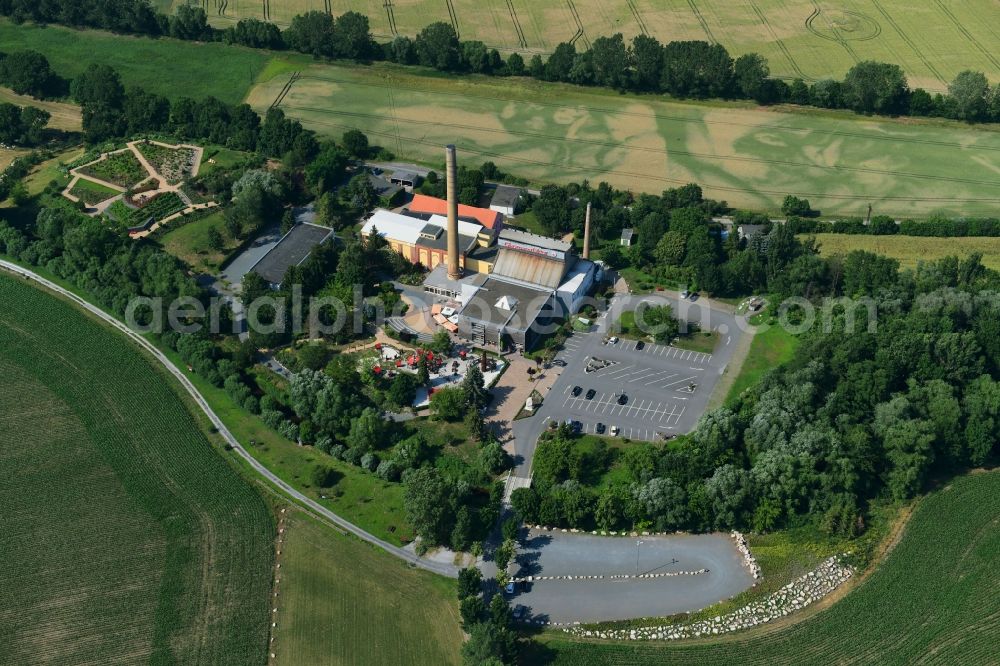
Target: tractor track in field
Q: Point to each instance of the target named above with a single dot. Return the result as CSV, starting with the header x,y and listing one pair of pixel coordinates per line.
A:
x,y
778,42
590,171
285,90
909,42
701,19
968,35
638,16
654,151
389,13
580,34
517,24
454,17
836,38
670,117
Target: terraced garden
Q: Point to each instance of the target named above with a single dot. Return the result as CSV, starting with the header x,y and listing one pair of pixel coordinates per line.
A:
x,y
933,600
130,537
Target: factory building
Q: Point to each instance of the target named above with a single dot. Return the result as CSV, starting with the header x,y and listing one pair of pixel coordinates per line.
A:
x,y
425,241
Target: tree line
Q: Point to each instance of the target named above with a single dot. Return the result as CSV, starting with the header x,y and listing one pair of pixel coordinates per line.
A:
x,y
937,226
695,69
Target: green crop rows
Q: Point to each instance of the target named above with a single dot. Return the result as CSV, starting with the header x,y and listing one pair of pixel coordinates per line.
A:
x,y
162,206
933,600
127,537
122,169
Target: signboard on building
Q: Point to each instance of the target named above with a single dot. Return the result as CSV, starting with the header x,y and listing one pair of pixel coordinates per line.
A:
x,y
531,249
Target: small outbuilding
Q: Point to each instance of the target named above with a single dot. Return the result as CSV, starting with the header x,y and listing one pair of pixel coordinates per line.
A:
x,y
627,237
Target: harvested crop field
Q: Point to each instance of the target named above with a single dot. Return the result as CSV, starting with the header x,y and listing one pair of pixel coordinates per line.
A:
x,y
127,537
909,250
747,156
63,116
342,601
932,41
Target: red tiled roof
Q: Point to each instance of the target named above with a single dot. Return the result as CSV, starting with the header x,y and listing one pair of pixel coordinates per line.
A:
x,y
432,205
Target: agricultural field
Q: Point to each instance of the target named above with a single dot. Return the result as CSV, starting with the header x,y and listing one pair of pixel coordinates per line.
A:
x,y
122,168
909,250
130,536
810,39
931,599
92,193
64,116
345,602
166,67
747,156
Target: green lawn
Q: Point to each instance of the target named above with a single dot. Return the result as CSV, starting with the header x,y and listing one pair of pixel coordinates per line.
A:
x,y
167,67
92,193
698,341
693,340
769,349
189,242
933,599
342,601
126,532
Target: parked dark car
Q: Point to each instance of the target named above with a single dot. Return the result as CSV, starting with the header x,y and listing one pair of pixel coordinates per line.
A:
x,y
576,426
577,391
559,362
639,346
622,399
591,393
600,429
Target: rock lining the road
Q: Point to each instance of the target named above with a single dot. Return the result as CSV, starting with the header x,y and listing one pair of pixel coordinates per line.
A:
x,y
664,574
748,559
798,594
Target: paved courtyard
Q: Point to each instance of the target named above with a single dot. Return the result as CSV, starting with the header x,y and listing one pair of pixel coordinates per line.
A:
x,y
557,553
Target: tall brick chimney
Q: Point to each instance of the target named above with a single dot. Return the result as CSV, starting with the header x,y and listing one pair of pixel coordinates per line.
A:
x,y
586,234
454,271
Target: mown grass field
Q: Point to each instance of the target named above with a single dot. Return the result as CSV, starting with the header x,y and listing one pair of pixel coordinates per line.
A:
x,y
342,601
167,67
769,349
932,600
62,116
190,242
812,39
747,156
127,537
909,250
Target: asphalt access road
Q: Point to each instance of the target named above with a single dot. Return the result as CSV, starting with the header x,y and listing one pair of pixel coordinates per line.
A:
x,y
561,554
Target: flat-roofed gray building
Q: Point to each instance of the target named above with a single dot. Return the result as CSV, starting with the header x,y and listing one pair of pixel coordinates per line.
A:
x,y
293,249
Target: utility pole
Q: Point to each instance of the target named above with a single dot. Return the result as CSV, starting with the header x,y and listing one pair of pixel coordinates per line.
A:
x,y
637,544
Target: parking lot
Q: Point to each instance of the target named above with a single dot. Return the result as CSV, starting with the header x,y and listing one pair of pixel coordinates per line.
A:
x,y
646,393
615,598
